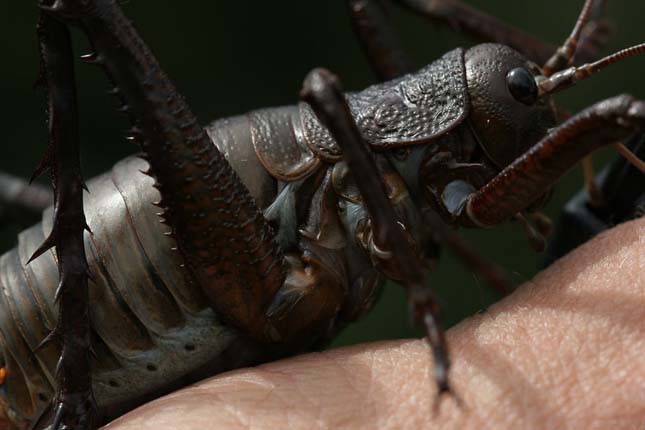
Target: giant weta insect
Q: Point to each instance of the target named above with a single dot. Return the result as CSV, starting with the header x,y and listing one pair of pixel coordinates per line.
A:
x,y
469,140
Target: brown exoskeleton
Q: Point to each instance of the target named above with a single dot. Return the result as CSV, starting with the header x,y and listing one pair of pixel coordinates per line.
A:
x,y
466,138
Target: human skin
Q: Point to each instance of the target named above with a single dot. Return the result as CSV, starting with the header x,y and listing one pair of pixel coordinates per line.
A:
x,y
565,351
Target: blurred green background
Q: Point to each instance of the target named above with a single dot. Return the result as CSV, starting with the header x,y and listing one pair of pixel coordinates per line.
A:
x,y
230,57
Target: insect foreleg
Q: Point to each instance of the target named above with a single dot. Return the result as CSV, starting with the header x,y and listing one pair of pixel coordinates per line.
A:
x,y
21,202
532,174
73,403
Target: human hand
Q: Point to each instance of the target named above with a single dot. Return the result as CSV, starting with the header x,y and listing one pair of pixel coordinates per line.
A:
x,y
565,351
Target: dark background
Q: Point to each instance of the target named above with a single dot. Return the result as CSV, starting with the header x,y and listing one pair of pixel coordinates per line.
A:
x,y
230,57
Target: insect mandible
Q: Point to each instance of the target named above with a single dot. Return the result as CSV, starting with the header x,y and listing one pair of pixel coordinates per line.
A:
x,y
313,180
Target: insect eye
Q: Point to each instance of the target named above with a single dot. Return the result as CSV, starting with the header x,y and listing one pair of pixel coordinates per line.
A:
x,y
522,86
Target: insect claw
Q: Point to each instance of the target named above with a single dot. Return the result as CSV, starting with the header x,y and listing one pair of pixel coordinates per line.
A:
x,y
447,392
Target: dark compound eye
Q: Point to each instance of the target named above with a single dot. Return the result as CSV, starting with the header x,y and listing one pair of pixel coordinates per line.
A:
x,y
522,86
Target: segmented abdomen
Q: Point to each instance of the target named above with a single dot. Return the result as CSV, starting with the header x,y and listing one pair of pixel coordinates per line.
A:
x,y
153,328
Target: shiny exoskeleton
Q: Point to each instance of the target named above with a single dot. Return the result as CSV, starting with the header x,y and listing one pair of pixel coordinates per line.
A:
x,y
266,245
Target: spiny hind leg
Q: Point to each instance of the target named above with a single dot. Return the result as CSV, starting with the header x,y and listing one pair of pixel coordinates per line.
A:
x,y
203,199
73,403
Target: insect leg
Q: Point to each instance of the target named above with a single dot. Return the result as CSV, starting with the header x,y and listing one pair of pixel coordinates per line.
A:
x,y
379,40
532,174
322,90
21,202
73,404
482,26
226,243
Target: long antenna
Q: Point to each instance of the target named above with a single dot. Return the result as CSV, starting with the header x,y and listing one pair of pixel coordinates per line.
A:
x,y
611,59
563,56
568,77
